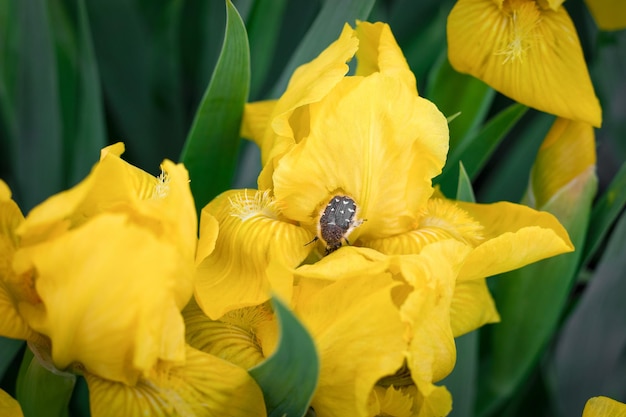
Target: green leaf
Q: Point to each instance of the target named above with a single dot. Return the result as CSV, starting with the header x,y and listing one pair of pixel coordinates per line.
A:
x,y
476,149
324,30
29,99
210,152
454,92
531,300
288,378
464,191
604,213
8,350
81,99
589,356
43,391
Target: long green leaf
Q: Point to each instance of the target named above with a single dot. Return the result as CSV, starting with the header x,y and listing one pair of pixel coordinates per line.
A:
x,y
210,152
43,392
604,213
325,29
288,378
476,149
589,356
8,350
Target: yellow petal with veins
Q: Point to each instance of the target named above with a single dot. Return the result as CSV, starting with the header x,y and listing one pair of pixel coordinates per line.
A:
x,y
472,307
604,407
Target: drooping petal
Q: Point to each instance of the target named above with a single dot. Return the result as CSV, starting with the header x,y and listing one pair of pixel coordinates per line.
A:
x,y
604,407
379,52
441,219
608,14
255,252
203,385
360,338
107,293
381,153
512,235
472,307
528,53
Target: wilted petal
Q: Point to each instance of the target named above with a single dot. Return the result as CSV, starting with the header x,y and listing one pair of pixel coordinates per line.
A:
x,y
394,148
203,385
255,252
527,52
515,236
107,297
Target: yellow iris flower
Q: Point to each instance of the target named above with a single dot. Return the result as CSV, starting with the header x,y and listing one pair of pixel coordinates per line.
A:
x,y
97,277
9,407
526,49
383,270
604,407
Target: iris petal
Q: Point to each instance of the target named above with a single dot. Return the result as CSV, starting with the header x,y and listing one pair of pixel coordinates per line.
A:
x,y
255,252
530,54
472,307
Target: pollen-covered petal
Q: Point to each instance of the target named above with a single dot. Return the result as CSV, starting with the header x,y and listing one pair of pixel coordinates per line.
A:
x,y
608,14
255,253
233,337
441,219
528,53
382,153
202,385
108,295
9,407
568,150
604,407
379,52
472,306
515,235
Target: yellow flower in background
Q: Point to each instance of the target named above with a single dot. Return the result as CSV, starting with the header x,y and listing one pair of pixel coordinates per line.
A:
x,y
608,14
604,407
100,273
9,407
526,49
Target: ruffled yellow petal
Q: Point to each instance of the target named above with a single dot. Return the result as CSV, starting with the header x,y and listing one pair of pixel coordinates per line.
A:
x,y
568,151
359,336
472,307
391,401
515,236
608,14
203,385
107,294
604,407
530,54
381,153
13,288
9,407
233,337
254,254
309,83
379,52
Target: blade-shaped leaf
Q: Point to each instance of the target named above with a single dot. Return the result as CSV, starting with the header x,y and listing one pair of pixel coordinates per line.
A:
x,y
589,357
324,30
476,149
210,152
464,191
288,378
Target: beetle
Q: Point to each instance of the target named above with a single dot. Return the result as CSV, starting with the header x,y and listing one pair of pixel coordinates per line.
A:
x,y
337,220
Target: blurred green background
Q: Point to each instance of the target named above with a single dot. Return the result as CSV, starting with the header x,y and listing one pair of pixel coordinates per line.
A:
x,y
77,75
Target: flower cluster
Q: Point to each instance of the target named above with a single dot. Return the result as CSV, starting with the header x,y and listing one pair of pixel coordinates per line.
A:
x,y
346,226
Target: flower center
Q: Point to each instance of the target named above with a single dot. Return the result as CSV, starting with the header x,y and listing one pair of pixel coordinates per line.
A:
x,y
162,187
